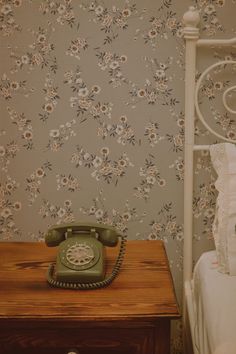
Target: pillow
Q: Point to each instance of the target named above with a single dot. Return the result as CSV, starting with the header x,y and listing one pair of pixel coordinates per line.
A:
x,y
223,157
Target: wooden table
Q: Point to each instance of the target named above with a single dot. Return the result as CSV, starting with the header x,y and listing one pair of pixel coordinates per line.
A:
x,y
131,316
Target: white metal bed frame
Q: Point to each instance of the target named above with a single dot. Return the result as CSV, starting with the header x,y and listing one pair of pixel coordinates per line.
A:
x,y
191,20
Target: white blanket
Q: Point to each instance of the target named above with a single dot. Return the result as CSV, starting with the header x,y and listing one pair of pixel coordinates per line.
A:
x,y
215,305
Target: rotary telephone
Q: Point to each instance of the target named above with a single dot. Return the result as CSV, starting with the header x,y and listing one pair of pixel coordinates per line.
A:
x,y
80,259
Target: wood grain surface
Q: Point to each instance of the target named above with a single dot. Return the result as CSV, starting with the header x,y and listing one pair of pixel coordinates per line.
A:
x,y
130,316
143,287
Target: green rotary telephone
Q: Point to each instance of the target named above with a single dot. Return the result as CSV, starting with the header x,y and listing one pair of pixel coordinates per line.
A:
x,y
80,260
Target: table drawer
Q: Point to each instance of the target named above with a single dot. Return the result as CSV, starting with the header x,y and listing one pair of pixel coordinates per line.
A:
x,y
82,341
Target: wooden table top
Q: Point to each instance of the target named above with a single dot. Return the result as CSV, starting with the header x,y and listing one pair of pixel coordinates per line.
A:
x,y
143,289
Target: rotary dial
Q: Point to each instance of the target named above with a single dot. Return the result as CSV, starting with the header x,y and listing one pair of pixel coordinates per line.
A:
x,y
79,254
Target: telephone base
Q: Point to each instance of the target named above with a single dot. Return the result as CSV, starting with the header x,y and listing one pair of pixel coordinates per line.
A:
x,y
73,277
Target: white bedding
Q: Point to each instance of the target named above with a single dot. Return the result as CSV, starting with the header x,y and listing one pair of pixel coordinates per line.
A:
x,y
215,305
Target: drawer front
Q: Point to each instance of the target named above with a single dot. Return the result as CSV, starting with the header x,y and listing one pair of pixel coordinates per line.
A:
x,y
82,341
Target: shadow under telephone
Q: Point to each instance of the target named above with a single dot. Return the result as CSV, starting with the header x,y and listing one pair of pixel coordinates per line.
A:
x,y
80,260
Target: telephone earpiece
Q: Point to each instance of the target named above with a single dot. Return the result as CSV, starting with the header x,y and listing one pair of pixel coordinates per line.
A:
x,y
108,238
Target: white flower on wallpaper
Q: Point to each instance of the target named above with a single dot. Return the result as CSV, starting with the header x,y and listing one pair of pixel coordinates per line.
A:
x,y
211,88
84,99
165,226
209,16
24,127
10,88
8,23
204,206
150,177
225,121
121,131
40,53
112,63
76,46
176,139
178,167
7,215
161,25
111,19
120,219
67,182
60,135
9,207
156,88
101,164
10,186
152,133
34,181
7,153
58,213
51,98
63,12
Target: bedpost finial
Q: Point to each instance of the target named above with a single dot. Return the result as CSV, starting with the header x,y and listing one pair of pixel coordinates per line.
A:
x,y
191,17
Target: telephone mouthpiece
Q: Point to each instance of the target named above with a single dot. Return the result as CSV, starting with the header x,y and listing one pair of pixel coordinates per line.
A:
x,y
53,238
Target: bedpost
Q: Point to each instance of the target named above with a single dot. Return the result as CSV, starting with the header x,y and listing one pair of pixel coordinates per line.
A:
x,y
191,20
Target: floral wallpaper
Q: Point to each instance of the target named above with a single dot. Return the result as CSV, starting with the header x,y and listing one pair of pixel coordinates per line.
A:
x,y
92,119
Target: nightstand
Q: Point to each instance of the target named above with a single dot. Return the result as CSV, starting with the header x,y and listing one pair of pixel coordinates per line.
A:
x,y
131,316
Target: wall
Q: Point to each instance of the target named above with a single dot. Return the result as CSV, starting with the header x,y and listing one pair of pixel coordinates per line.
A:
x,y
92,122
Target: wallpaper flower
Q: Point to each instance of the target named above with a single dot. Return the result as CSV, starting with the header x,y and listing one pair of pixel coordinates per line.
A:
x,y
92,122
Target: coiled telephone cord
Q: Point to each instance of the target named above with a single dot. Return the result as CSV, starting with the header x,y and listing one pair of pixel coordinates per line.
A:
x,y
95,285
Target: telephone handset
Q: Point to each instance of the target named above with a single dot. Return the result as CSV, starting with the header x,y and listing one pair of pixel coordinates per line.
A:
x,y
80,260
